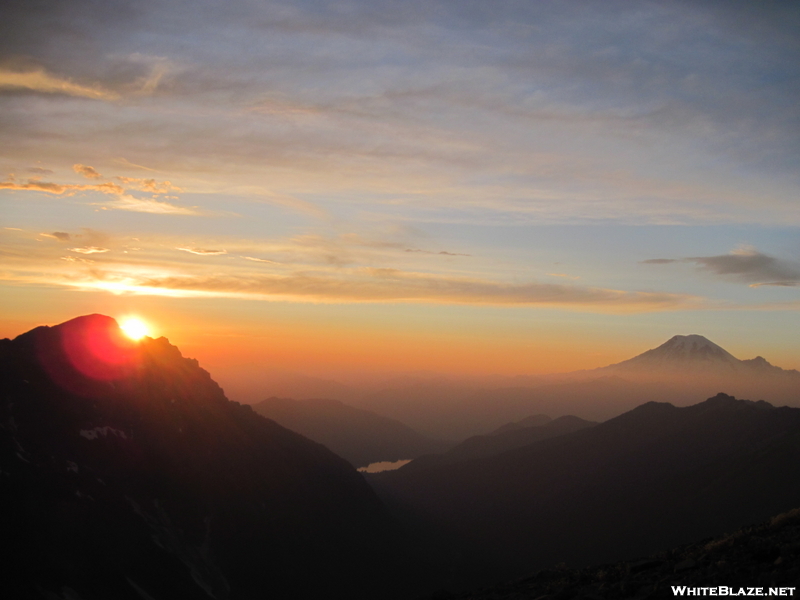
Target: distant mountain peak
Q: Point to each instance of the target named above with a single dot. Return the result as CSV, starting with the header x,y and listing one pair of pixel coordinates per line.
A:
x,y
692,344
682,352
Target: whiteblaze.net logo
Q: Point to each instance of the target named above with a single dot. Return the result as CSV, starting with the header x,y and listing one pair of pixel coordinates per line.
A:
x,y
723,590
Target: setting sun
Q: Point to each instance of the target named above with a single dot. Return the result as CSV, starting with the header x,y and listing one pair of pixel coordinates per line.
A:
x,y
134,328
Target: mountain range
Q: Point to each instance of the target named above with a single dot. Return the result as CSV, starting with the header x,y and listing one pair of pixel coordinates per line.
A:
x,y
654,477
508,437
128,474
689,355
684,370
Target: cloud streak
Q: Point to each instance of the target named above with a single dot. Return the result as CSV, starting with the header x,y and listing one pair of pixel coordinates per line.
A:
x,y
59,189
744,265
41,81
87,171
146,205
123,201
203,251
90,250
393,286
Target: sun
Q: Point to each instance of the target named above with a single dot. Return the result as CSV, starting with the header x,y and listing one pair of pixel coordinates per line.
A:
x,y
134,328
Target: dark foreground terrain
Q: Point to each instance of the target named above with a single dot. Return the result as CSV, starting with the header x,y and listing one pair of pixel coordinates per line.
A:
x,y
765,555
127,475
653,478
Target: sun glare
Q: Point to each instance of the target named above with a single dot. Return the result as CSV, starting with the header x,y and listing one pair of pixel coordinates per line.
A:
x,y
134,328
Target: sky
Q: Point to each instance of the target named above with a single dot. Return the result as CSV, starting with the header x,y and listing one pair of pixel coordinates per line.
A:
x,y
459,187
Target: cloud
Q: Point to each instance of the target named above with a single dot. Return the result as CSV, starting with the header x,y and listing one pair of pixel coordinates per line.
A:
x,y
90,250
58,235
392,285
86,171
442,252
149,185
777,284
144,205
41,81
122,202
660,261
261,260
159,69
204,252
745,265
39,171
32,184
58,188
126,163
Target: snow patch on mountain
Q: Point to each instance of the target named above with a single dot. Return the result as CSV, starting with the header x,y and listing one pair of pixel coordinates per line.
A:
x,y
93,434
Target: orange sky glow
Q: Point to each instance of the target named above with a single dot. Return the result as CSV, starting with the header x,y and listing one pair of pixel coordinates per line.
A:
x,y
535,188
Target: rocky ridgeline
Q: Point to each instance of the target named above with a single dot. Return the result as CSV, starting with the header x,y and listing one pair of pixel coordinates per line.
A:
x,y
766,555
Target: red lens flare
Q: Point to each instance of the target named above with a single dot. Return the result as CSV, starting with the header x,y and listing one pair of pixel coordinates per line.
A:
x,y
90,351
102,353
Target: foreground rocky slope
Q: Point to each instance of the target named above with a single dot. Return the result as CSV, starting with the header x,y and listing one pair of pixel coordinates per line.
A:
x,y
765,555
127,474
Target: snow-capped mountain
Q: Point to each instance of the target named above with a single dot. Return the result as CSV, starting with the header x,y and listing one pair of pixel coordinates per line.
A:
x,y
683,352
695,355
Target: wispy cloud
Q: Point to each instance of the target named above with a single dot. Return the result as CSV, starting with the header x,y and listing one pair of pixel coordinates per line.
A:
x,y
745,265
391,285
87,171
149,185
58,188
41,81
146,205
203,251
126,163
261,260
90,250
123,200
440,252
62,236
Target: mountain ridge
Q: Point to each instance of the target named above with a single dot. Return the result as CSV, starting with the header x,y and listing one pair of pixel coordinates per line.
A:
x,y
129,474
693,354
670,372
654,477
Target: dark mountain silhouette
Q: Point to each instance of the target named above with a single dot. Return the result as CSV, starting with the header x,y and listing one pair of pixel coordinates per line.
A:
x,y
652,478
127,474
357,435
503,439
685,370
532,421
766,555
